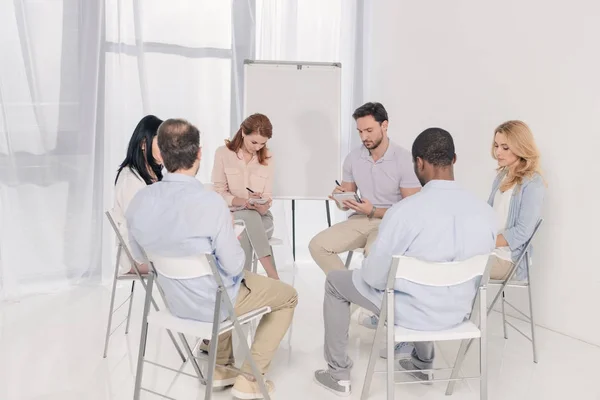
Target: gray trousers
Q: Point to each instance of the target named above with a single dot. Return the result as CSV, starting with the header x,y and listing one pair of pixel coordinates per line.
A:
x,y
340,292
259,229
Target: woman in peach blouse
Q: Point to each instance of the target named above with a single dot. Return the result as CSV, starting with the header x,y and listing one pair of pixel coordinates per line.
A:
x,y
245,163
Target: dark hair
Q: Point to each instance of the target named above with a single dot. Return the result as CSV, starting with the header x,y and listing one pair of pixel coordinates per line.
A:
x,y
376,110
179,142
256,123
435,146
135,159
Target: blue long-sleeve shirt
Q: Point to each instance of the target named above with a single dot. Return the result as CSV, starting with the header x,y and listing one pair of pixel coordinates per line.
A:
x,y
178,217
441,223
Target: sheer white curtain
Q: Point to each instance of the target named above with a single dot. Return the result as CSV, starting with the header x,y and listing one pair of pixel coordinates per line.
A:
x,y
75,78
49,154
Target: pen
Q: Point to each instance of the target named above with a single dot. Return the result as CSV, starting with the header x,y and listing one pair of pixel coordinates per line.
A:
x,y
337,183
250,190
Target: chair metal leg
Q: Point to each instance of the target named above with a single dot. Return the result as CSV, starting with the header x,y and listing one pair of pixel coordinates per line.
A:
x,y
373,356
212,349
191,357
130,306
246,349
273,258
390,344
112,303
143,338
531,317
504,316
349,259
254,260
483,346
460,358
179,351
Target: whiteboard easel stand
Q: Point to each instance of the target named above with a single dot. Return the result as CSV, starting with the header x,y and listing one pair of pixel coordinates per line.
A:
x,y
294,220
263,107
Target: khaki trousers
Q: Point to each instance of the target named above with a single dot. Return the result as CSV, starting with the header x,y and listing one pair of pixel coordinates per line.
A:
x,y
257,291
500,268
357,232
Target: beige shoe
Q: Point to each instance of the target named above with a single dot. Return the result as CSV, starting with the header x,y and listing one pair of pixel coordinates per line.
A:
x,y
247,390
224,377
204,346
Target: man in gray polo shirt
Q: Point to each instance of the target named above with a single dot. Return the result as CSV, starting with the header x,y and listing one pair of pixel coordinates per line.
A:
x,y
383,174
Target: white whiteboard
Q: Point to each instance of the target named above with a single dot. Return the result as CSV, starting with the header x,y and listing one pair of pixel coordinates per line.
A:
x,y
303,102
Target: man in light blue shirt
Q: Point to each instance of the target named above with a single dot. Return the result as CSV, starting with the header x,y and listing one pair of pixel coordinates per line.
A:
x,y
178,217
441,223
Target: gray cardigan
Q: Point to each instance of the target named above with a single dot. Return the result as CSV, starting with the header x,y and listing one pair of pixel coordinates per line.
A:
x,y
524,212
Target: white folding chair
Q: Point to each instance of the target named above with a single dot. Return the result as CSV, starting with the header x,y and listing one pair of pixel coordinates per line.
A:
x,y
122,246
206,264
508,282
431,274
349,256
526,284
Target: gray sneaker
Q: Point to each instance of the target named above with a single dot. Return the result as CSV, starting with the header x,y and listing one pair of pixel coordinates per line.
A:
x,y
339,387
425,377
369,321
402,350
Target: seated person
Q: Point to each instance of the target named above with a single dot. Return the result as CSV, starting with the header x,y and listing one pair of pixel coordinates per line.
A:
x,y
442,223
517,196
141,167
383,173
245,163
178,217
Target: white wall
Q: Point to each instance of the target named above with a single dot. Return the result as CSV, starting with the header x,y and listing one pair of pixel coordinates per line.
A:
x,y
467,66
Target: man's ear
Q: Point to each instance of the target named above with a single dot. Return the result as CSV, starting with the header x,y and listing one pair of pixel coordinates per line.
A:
x,y
454,159
199,153
384,125
419,163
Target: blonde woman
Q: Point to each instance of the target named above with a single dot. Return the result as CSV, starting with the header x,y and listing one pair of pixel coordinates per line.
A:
x,y
517,195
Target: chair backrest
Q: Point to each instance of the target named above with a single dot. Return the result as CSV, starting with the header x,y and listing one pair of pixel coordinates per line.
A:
x,y
438,274
122,242
183,267
529,241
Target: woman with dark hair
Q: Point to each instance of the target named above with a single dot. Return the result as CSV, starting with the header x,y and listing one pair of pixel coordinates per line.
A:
x,y
243,175
141,167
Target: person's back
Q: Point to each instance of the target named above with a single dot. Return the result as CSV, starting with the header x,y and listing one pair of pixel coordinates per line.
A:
x,y
187,218
444,223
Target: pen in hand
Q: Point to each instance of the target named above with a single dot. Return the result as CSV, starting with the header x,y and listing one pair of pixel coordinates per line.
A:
x,y
250,190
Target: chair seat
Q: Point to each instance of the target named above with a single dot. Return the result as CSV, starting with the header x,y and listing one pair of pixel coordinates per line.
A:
x,y
466,330
165,319
499,282
275,241
130,277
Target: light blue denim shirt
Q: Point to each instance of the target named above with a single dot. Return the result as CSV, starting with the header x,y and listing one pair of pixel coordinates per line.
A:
x,y
524,211
178,217
441,223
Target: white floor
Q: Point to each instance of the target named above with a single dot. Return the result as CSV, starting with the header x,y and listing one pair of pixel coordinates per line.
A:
x,y
51,349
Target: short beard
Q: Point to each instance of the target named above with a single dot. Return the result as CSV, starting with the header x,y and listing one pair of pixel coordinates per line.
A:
x,y
375,144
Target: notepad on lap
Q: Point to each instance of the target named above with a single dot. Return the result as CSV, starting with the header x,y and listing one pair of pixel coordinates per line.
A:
x,y
340,197
257,201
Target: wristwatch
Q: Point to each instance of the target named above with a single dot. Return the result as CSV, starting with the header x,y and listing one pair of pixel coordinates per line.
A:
x,y
372,213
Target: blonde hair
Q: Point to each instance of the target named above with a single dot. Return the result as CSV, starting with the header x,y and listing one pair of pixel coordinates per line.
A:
x,y
522,144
